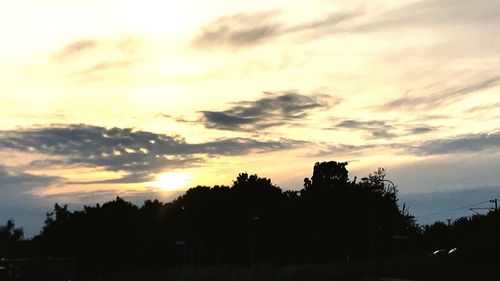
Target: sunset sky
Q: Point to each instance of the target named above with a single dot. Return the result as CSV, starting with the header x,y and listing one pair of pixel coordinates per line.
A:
x,y
144,99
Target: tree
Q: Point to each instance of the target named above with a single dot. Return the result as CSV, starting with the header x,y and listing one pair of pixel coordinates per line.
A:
x,y
9,232
328,175
251,220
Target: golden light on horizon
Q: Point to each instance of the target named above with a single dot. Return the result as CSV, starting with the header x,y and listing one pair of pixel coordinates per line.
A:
x,y
171,181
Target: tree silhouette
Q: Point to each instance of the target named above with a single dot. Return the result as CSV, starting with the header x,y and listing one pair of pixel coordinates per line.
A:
x,y
327,175
9,233
253,220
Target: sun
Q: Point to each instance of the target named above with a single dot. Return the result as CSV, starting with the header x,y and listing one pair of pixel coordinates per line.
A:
x,y
171,181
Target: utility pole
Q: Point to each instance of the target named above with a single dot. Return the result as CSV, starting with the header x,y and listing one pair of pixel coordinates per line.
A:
x,y
496,203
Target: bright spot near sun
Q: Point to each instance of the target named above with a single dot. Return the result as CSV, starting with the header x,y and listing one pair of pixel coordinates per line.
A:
x,y
171,181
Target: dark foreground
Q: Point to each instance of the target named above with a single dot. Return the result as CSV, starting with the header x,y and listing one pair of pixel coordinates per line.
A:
x,y
428,268
425,268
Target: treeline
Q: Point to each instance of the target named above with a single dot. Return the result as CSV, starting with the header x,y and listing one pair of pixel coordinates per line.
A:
x,y
332,218
476,239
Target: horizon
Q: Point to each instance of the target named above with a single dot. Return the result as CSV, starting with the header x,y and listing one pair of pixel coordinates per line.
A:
x,y
119,98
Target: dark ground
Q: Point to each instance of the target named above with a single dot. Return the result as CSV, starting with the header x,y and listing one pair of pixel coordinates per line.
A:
x,y
423,269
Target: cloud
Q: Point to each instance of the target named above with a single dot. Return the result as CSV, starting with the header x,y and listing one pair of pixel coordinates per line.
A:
x,y
274,109
377,129
382,129
16,187
104,66
245,29
137,153
420,130
237,30
342,149
460,144
331,19
465,144
19,201
90,60
432,13
442,97
75,48
484,108
23,181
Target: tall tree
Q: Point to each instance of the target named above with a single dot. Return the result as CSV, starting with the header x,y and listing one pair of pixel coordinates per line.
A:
x,y
10,233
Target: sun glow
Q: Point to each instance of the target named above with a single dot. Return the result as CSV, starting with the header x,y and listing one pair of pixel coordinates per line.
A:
x,y
171,181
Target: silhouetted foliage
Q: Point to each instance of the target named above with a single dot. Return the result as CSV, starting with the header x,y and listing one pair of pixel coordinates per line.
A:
x,y
9,232
476,238
11,241
253,220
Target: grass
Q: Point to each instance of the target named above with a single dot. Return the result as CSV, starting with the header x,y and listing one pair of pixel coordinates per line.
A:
x,y
423,269
313,272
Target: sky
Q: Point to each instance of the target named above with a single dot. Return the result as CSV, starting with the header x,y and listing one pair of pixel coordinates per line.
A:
x,y
143,99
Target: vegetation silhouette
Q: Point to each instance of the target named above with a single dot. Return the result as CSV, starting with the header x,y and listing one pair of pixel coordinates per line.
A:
x,y
253,221
10,233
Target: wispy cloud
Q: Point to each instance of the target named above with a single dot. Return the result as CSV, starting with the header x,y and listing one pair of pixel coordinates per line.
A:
x,y
15,185
459,144
377,129
434,13
237,30
75,48
442,97
92,71
274,109
484,108
422,129
245,29
92,59
342,149
472,143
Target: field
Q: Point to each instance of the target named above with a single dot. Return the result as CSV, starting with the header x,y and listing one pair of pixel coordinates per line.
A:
x,y
423,269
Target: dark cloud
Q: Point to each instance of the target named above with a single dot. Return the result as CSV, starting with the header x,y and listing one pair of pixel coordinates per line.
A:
x,y
442,97
274,109
75,48
18,200
420,130
137,153
461,144
17,190
377,129
243,29
382,129
20,182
